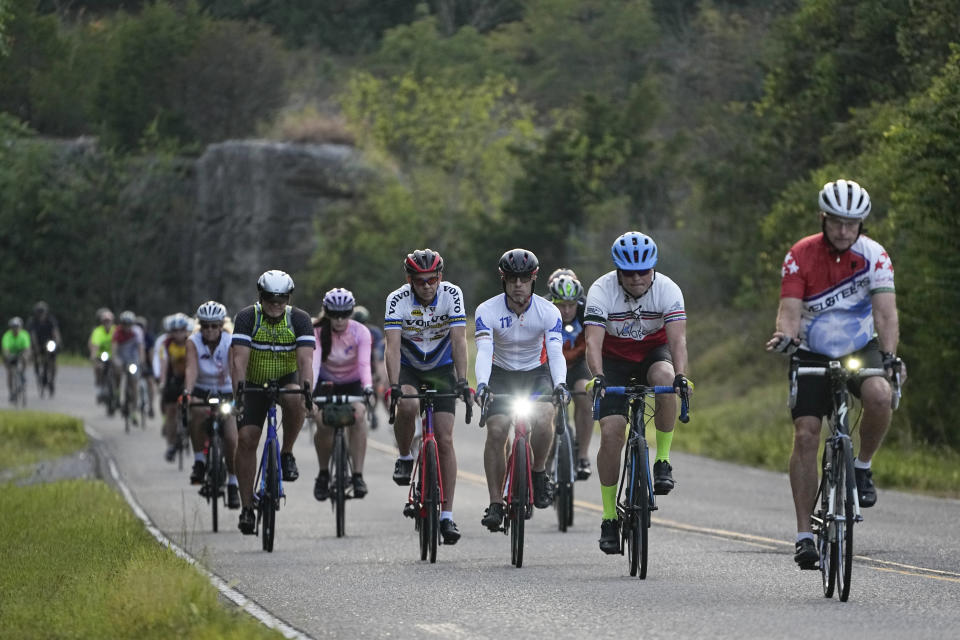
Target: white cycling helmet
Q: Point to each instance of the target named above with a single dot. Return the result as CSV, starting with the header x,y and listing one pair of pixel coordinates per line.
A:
x,y
15,322
339,300
211,311
128,317
178,322
845,199
275,282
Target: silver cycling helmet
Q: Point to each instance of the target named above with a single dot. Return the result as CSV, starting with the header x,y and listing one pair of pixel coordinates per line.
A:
x,y
565,289
845,199
178,322
275,282
211,311
339,300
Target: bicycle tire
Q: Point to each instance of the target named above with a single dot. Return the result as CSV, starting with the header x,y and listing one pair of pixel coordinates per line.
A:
x,y
214,471
846,485
268,504
340,482
143,399
519,500
821,524
564,474
431,504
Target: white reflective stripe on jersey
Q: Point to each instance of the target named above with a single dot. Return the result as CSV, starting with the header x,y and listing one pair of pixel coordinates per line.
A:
x,y
517,343
425,329
213,371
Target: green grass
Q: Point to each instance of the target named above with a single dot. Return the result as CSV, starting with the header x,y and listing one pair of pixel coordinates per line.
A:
x,y
30,436
77,564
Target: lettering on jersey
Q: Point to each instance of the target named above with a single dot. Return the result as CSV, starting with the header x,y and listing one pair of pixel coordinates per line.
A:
x,y
846,292
416,312
457,304
506,322
395,300
634,331
594,310
436,321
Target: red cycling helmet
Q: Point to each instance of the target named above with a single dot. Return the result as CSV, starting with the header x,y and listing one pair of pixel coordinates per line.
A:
x,y
423,261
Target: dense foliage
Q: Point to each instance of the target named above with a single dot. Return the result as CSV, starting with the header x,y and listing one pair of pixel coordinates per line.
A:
x,y
551,123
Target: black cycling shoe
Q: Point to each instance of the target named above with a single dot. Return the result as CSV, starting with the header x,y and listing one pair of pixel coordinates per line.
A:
x,y
321,486
662,477
359,486
170,453
806,555
248,522
449,531
289,465
542,490
199,470
610,536
401,472
233,496
866,490
583,469
493,516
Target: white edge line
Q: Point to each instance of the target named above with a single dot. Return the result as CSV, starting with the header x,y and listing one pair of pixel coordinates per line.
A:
x,y
243,602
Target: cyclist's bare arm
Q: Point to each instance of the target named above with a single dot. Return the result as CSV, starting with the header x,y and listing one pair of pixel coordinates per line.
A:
x,y
238,364
677,342
593,336
886,320
788,321
305,365
458,343
391,355
193,364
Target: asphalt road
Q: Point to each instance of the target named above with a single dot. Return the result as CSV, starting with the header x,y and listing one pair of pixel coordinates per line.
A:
x,y
720,559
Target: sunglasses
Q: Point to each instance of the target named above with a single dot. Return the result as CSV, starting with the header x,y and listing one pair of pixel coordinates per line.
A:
x,y
275,298
635,272
527,277
210,325
337,314
426,282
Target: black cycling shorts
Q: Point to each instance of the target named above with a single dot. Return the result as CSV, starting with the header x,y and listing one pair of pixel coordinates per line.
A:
x,y
443,379
813,392
172,389
619,373
255,405
504,383
577,371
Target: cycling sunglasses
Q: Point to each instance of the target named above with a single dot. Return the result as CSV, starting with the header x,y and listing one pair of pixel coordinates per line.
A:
x,y
275,298
426,282
337,314
635,272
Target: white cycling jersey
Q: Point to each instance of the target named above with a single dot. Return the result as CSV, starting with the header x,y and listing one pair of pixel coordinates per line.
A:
x,y
425,338
213,370
519,343
635,326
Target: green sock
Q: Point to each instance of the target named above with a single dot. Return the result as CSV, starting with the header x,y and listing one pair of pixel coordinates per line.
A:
x,y
609,502
664,438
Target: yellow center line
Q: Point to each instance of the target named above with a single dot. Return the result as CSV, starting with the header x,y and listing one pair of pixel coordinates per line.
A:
x,y
745,538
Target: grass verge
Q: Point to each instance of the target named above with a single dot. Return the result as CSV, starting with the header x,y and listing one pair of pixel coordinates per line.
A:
x,y
31,436
76,563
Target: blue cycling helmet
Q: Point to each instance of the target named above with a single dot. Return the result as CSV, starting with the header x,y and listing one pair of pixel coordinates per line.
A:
x,y
634,251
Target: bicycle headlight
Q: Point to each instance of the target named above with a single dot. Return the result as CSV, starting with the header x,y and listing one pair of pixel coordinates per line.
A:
x,y
104,356
132,368
51,346
853,364
522,407
226,408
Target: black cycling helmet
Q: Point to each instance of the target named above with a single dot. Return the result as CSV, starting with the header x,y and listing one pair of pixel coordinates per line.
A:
x,y
423,261
518,262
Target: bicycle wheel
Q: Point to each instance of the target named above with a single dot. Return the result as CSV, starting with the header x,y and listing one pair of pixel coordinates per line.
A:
x,y
821,524
214,472
843,510
519,500
268,504
636,515
339,475
564,481
143,399
431,503
127,407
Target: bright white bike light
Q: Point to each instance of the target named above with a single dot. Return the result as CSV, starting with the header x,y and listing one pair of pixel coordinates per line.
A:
x,y
104,356
51,346
226,408
522,407
132,368
853,364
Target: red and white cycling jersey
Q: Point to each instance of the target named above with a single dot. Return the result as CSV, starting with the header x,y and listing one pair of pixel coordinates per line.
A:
x,y
837,315
635,326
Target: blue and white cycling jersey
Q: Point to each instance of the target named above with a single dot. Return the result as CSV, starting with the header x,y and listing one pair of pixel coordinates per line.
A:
x,y
425,341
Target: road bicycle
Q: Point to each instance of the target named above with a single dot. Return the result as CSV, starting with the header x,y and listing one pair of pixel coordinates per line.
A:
x,y
837,505
269,480
426,496
518,480
18,382
338,414
635,494
219,409
563,469
109,394
134,403
46,368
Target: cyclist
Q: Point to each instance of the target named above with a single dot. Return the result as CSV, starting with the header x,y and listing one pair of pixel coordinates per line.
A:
x,y
518,334
635,328
567,293
208,373
170,367
426,343
836,299
100,342
342,357
16,349
127,348
43,328
272,341
377,366
149,342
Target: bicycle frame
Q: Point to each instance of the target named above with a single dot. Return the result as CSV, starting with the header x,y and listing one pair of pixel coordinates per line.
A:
x,y
563,468
218,408
339,456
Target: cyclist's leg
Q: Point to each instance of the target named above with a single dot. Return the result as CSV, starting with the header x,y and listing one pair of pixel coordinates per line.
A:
x,y
230,444
294,413
404,426
583,418
443,430
198,432
875,394
803,468
541,436
665,413
357,438
9,369
495,455
323,443
248,442
612,438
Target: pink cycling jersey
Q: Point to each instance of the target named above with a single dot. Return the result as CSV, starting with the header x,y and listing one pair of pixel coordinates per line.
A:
x,y
349,358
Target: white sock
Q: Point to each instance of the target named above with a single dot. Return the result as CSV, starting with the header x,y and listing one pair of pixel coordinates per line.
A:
x,y
806,535
859,464
409,456
446,515
199,456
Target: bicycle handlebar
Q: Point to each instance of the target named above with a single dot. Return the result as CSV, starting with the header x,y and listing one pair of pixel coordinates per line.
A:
x,y
337,399
644,390
428,393
845,373
484,406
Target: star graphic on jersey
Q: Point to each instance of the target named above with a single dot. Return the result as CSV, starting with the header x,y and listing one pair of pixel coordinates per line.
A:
x,y
789,265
